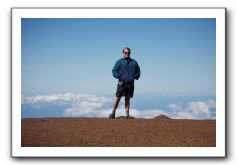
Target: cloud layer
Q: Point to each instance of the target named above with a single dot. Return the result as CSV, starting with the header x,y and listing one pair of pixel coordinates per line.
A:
x,y
194,110
88,105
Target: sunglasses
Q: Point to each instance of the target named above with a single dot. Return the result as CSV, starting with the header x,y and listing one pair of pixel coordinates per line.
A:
x,y
126,52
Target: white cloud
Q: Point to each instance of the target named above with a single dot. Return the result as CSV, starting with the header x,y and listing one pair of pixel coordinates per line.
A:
x,y
62,97
87,105
148,113
85,108
194,110
199,108
77,104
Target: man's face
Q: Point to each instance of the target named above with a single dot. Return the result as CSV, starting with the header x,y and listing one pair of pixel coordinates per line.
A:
x,y
126,53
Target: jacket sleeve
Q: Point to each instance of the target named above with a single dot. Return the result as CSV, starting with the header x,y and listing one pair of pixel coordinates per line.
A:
x,y
115,70
137,72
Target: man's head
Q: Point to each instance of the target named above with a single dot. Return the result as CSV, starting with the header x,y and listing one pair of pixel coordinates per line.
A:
x,y
126,52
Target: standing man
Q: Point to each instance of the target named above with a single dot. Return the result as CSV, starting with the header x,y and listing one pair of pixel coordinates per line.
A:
x,y
125,70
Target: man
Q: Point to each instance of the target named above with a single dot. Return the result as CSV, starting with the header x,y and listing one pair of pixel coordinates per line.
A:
x,y
125,70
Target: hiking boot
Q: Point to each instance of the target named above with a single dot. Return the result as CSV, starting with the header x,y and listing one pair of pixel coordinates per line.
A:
x,y
111,116
129,117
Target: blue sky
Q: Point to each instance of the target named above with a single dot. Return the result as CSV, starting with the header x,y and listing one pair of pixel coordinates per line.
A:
x,y
77,55
72,57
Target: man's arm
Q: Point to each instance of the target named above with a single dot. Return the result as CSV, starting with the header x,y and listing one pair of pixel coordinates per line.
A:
x,y
137,72
115,70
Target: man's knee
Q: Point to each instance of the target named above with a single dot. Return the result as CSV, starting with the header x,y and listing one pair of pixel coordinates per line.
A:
x,y
127,99
118,98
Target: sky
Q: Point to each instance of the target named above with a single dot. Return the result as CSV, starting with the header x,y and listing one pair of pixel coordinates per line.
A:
x,y
74,58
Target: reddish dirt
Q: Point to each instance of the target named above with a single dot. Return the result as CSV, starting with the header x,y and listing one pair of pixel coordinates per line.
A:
x,y
160,131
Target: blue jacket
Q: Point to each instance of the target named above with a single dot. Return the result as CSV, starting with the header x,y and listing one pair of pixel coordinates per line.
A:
x,y
126,70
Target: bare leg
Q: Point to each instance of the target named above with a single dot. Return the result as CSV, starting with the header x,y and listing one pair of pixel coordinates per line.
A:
x,y
127,105
116,102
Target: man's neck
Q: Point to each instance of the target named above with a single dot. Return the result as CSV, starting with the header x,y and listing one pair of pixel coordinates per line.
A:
x,y
127,58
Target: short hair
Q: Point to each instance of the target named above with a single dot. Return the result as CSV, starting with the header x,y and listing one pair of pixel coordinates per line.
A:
x,y
127,49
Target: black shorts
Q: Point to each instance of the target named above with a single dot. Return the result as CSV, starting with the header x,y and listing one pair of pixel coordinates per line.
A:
x,y
125,90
